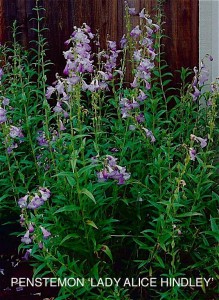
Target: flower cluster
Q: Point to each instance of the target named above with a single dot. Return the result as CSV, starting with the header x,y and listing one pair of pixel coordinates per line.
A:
x,y
202,142
27,238
112,171
201,76
5,102
145,55
34,202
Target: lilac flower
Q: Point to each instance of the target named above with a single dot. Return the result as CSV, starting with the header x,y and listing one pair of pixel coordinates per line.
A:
x,y
60,87
1,73
132,11
118,173
196,93
94,160
203,75
149,134
58,108
134,84
41,139
126,106
135,33
141,96
156,27
140,118
73,80
114,150
112,45
112,171
22,220
142,13
35,203
40,245
123,42
149,31
61,126
3,117
5,101
31,228
45,193
49,91
203,142
11,147
102,175
15,132
26,238
27,254
45,232
192,153
111,161
137,55
146,42
22,202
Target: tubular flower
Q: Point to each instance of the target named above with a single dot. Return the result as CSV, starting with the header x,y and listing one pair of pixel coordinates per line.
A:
x,y
22,202
192,153
45,232
3,117
26,238
112,171
203,142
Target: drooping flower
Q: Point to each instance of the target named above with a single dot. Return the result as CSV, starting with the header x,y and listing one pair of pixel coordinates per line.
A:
x,y
203,74
45,193
140,118
192,153
1,73
113,171
11,147
135,33
41,139
49,92
3,117
5,101
123,42
203,142
132,11
15,132
31,228
26,238
141,96
22,202
45,232
58,108
149,134
35,203
27,254
61,126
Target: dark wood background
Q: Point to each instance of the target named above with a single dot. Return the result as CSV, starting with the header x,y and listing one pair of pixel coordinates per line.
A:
x,y
181,24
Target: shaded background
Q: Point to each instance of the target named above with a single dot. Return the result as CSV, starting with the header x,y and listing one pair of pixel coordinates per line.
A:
x,y
181,25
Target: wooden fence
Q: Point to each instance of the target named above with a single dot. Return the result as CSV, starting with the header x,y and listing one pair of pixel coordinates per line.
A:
x,y
181,24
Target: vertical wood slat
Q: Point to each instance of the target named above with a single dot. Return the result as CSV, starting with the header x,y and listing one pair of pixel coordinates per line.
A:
x,y
181,26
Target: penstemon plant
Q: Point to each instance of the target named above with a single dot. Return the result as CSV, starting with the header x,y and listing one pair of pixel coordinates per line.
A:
x,y
108,180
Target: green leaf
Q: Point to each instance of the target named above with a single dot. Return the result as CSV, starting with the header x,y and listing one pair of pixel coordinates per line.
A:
x,y
67,208
88,194
91,223
108,252
69,236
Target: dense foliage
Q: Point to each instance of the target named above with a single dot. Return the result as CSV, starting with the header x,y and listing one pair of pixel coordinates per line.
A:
x,y
109,179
